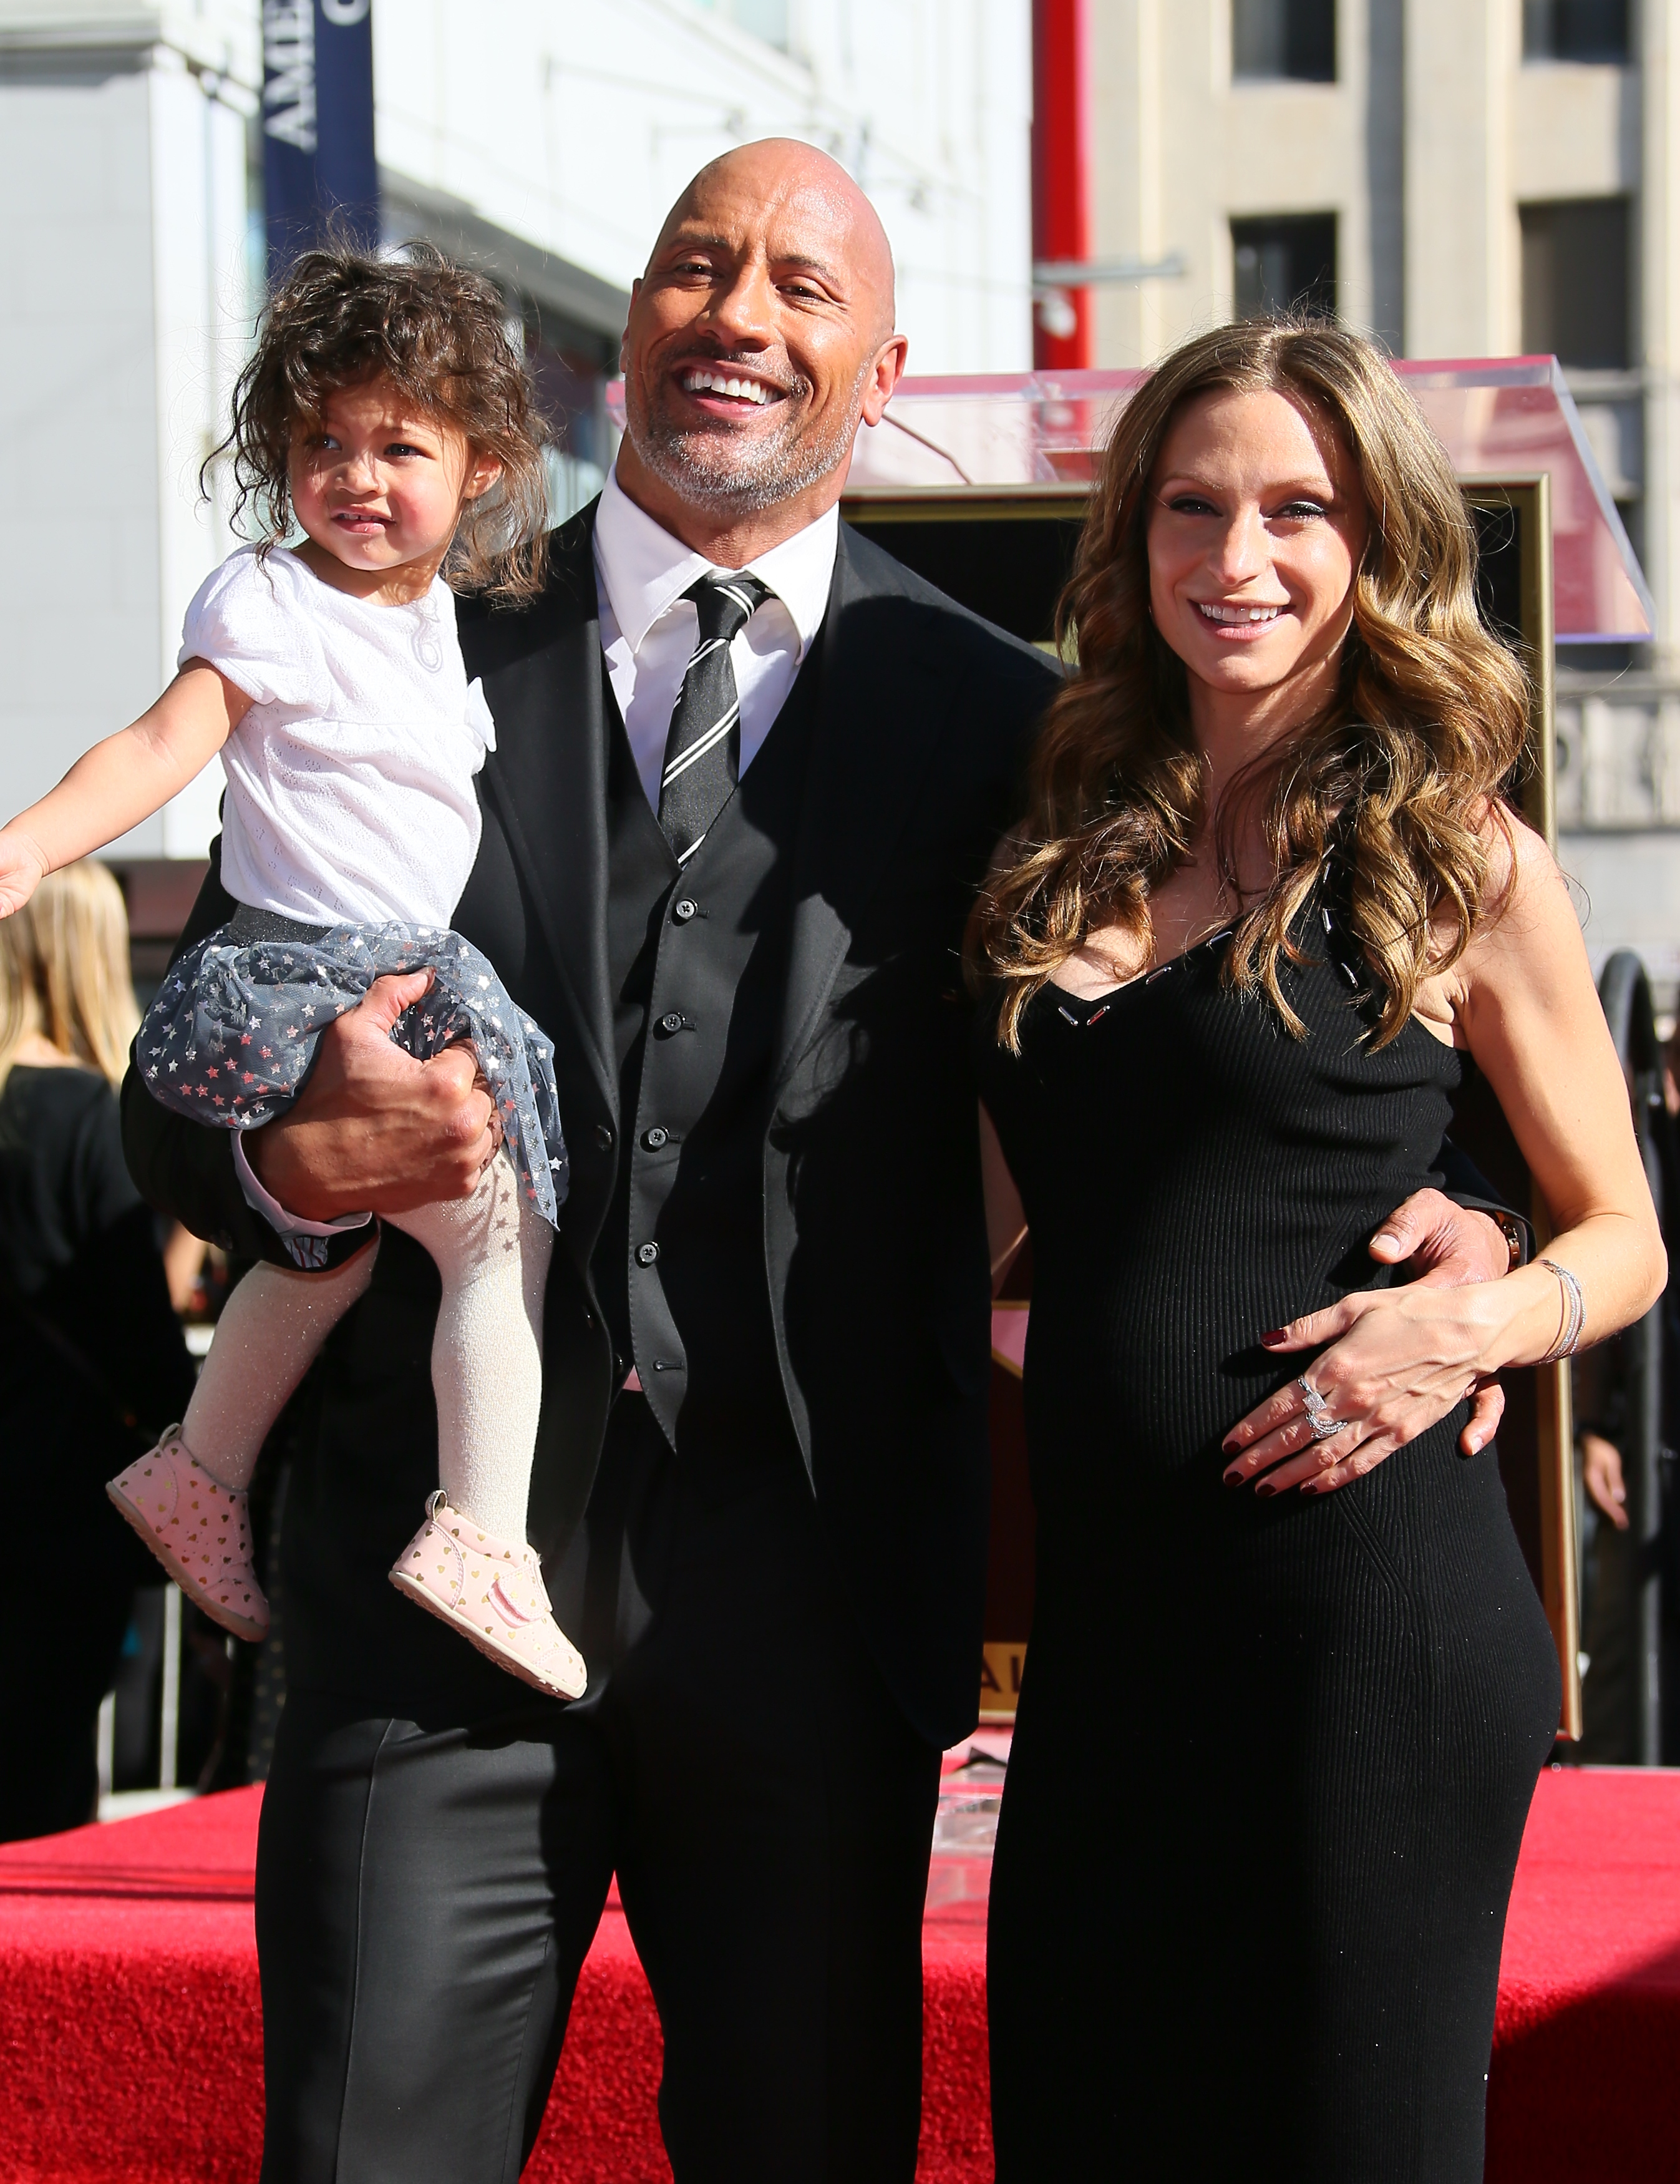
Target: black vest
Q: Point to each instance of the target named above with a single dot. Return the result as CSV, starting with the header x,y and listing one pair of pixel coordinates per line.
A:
x,y
696,965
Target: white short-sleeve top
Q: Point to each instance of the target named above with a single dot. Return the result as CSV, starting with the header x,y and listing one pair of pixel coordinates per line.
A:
x,y
350,796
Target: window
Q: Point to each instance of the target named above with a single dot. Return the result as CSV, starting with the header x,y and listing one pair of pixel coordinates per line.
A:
x,y
1284,39
759,19
1285,264
1575,29
1574,287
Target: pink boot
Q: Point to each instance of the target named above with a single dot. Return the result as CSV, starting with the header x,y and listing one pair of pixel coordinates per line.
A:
x,y
199,1530
491,1591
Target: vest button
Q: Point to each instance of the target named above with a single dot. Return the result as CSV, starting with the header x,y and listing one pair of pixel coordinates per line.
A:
x,y
655,1139
672,1021
645,1254
603,1137
683,910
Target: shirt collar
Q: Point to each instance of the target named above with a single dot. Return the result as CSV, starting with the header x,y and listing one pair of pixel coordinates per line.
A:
x,y
646,570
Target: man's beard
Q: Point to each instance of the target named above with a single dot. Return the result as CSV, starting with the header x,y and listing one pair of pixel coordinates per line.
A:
x,y
711,468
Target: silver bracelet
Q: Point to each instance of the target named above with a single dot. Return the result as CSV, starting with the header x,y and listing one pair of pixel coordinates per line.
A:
x,y
1574,1314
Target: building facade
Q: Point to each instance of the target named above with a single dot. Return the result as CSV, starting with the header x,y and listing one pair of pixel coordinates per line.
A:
x,y
1462,178
541,140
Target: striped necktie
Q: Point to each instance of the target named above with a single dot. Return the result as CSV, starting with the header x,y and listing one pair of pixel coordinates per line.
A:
x,y
702,750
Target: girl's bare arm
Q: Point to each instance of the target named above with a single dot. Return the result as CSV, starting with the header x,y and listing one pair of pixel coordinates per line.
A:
x,y
121,780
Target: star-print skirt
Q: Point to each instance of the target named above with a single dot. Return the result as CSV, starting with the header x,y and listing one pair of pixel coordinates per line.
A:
x,y
231,1035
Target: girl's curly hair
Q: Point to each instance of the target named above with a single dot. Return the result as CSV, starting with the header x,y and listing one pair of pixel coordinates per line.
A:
x,y
439,334
1394,781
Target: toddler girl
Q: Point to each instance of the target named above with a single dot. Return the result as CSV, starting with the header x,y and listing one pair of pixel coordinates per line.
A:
x,y
386,416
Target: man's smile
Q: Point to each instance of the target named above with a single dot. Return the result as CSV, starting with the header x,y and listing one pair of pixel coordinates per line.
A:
x,y
726,390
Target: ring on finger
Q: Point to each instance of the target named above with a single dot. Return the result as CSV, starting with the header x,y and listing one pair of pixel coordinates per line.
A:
x,y
1318,1412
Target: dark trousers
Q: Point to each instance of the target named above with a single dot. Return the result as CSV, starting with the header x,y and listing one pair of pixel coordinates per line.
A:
x,y
427,1888
50,1687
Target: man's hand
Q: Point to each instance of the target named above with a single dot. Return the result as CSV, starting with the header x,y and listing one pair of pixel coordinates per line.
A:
x,y
1448,1246
1404,1371
373,1129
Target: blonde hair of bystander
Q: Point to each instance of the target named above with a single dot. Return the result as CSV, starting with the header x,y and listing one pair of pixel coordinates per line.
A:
x,y
65,971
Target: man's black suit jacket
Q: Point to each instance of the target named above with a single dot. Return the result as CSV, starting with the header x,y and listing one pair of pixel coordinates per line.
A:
x,y
874,1229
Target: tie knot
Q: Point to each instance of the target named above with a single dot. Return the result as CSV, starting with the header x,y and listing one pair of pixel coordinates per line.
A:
x,y
725,604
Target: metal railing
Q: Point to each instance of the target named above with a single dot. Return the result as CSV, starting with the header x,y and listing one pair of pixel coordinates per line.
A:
x,y
115,1803
1625,991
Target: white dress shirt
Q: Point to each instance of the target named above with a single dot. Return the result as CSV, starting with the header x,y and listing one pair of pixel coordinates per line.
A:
x,y
648,632
648,629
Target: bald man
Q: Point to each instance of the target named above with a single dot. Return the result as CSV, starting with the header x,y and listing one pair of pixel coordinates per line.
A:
x,y
748,772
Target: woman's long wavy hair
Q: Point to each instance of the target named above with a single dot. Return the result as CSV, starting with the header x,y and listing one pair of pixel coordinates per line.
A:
x,y
65,971
439,334
1395,777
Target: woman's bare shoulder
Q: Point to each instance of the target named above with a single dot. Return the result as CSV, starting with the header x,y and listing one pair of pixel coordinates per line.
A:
x,y
1527,928
1524,878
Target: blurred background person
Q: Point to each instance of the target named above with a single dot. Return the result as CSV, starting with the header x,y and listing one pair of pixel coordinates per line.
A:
x,y
1607,1426
93,1362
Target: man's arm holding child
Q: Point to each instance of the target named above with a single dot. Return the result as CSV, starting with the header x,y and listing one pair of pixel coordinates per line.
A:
x,y
372,1130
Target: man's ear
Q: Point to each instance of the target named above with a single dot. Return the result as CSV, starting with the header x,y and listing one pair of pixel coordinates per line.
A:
x,y
624,338
888,369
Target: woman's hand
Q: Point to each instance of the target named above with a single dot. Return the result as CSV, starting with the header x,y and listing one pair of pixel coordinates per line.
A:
x,y
1453,1247
1398,1360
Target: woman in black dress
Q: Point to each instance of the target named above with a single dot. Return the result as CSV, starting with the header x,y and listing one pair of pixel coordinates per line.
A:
x,y
1285,1702
93,1362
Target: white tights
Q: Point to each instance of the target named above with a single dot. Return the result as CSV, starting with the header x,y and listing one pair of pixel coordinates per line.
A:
x,y
492,1251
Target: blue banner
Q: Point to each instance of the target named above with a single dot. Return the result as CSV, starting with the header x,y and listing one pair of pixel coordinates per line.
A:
x,y
318,153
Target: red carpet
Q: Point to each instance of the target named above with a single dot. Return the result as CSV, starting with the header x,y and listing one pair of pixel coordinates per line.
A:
x,y
1585,2088
129,2013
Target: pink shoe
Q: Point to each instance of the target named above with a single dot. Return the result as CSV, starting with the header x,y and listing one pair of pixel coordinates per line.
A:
x,y
199,1530
493,1594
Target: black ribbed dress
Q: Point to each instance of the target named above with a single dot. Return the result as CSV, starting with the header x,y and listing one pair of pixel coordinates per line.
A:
x,y
1273,1758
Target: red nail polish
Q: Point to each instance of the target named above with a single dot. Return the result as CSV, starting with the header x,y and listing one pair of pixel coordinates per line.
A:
x,y
1233,1477
1276,1334
1266,1489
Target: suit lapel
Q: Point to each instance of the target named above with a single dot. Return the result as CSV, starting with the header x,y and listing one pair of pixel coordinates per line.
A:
x,y
879,723
878,727
547,778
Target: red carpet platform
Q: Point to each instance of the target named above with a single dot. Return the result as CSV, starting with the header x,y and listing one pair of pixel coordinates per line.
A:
x,y
129,2015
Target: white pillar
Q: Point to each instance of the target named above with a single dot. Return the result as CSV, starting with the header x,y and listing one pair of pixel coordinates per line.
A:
x,y
1463,270
201,311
